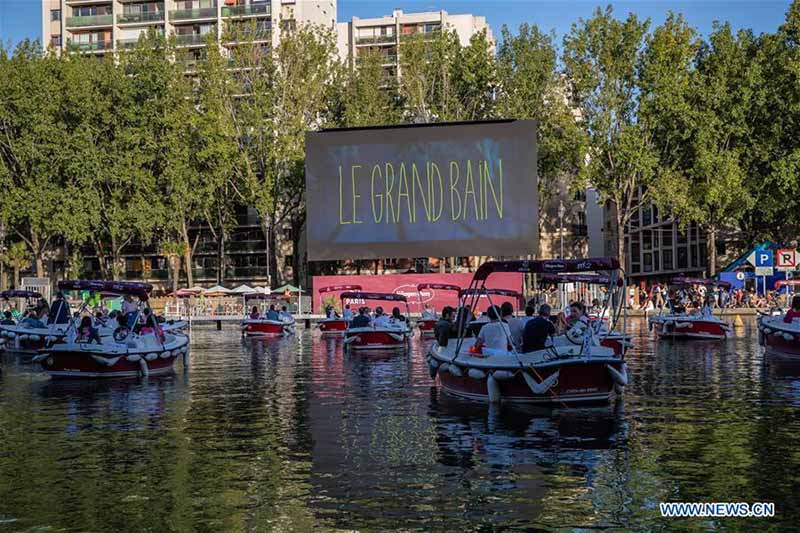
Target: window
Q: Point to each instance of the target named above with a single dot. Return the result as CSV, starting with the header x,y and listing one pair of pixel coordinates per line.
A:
x,y
647,216
647,240
55,40
683,257
666,236
655,261
667,256
55,14
647,260
390,262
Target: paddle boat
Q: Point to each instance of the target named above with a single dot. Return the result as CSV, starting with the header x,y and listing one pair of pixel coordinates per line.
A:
x,y
702,325
15,338
559,375
780,339
262,326
615,340
335,327
426,324
133,349
387,336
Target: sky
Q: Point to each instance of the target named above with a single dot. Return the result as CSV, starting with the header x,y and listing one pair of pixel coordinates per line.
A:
x,y
22,18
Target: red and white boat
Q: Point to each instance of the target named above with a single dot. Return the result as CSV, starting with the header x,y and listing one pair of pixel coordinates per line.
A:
x,y
781,339
262,326
390,336
617,341
335,327
127,353
557,375
426,324
695,326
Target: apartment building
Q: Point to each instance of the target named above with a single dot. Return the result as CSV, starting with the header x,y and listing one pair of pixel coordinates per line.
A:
x,y
102,26
384,35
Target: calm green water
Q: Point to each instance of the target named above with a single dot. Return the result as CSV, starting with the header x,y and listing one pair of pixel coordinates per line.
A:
x,y
292,435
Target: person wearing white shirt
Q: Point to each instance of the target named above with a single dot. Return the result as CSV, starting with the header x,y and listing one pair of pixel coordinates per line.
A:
x,y
381,319
347,313
515,325
495,335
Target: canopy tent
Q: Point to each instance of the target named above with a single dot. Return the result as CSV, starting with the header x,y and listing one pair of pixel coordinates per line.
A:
x,y
217,290
184,293
262,290
288,287
243,289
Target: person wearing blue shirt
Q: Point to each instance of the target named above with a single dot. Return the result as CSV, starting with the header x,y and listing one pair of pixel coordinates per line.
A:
x,y
272,314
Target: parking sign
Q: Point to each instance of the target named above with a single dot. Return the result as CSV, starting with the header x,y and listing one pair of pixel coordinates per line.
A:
x,y
764,258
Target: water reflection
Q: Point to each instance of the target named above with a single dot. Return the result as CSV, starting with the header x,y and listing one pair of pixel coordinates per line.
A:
x,y
293,433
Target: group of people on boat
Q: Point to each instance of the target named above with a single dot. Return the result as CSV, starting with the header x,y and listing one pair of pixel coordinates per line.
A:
x,y
500,329
379,319
282,315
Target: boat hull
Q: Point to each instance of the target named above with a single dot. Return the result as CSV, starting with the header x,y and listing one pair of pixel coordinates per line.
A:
x,y
426,327
780,340
333,327
266,328
683,328
75,364
363,339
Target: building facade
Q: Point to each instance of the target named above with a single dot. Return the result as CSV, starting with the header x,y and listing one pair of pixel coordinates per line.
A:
x,y
102,26
384,35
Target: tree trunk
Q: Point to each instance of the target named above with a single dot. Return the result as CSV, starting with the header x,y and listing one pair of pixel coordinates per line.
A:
x,y
621,252
16,277
265,227
37,253
221,257
115,259
101,258
188,253
2,277
712,251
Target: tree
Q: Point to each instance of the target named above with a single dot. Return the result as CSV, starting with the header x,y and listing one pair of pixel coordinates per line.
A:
x,y
702,118
17,258
474,75
426,87
285,93
41,201
532,88
364,100
601,56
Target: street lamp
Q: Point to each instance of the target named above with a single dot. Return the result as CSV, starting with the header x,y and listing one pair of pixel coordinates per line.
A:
x,y
561,211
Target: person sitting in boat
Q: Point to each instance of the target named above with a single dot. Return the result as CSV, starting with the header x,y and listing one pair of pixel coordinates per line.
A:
x,y
128,305
112,321
42,309
428,313
495,335
347,314
397,317
272,314
8,319
361,320
706,310
151,325
254,314
444,329
59,311
284,314
31,320
794,312
123,329
464,318
381,319
577,313
537,331
87,333
514,324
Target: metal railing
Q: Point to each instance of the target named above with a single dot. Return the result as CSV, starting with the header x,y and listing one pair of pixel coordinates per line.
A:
x,y
87,47
243,11
96,20
376,39
143,16
189,39
190,14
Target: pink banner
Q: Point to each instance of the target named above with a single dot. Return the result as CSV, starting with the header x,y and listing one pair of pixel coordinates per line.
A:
x,y
406,284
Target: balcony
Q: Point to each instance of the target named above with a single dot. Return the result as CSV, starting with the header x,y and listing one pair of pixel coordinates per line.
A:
x,y
247,11
388,59
143,17
90,47
83,22
377,39
127,44
190,39
246,35
182,15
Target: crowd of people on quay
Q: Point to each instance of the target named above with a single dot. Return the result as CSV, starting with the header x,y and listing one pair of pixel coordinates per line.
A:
x,y
660,296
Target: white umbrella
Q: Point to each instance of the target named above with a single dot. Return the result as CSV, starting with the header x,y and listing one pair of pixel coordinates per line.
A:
x,y
216,290
243,289
262,290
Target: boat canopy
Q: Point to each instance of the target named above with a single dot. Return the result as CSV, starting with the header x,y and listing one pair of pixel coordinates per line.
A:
x,y
699,281
552,266
134,288
19,293
594,279
338,288
439,286
389,297
499,292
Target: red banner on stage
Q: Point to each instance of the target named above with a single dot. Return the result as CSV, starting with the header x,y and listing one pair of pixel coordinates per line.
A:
x,y
406,284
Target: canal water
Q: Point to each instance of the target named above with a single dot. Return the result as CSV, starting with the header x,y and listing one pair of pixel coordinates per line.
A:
x,y
294,435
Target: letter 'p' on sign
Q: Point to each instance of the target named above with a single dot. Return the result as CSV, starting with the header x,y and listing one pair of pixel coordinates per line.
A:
x,y
786,258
